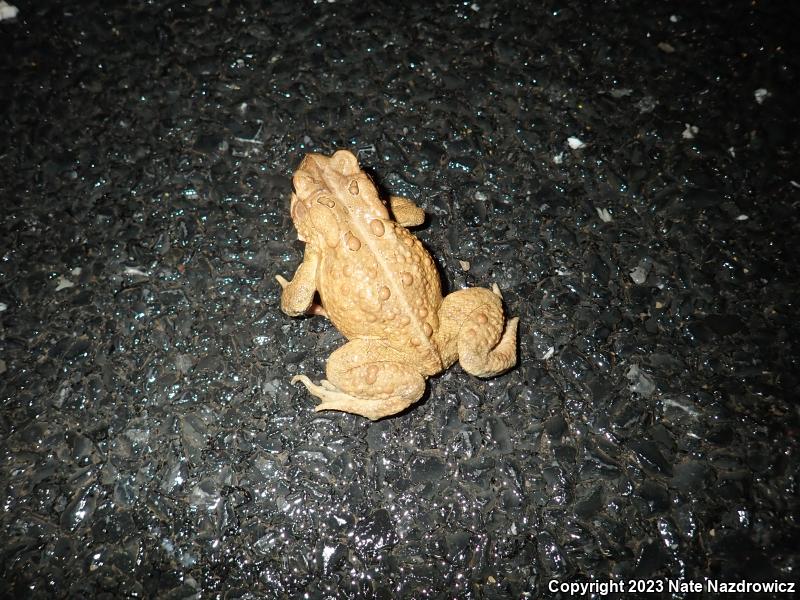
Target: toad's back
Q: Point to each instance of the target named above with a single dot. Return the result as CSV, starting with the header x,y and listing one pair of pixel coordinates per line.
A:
x,y
386,289
375,279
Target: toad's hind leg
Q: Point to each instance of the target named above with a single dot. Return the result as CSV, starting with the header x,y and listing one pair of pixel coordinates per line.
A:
x,y
472,329
367,378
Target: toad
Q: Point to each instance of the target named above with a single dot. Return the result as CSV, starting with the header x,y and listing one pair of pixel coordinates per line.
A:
x,y
380,288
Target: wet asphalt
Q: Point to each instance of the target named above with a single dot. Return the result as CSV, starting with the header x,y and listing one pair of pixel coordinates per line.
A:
x,y
626,172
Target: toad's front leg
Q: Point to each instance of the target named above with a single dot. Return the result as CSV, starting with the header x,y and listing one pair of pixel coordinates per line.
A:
x,y
367,378
297,297
405,212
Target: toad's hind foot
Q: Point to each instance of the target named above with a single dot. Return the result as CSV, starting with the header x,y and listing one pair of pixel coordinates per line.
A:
x,y
481,360
474,331
335,399
331,397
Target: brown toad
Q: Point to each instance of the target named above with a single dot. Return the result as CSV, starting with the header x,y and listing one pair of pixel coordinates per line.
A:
x,y
381,290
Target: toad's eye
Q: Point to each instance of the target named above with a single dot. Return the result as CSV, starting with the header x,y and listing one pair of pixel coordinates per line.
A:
x,y
302,184
353,187
326,201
